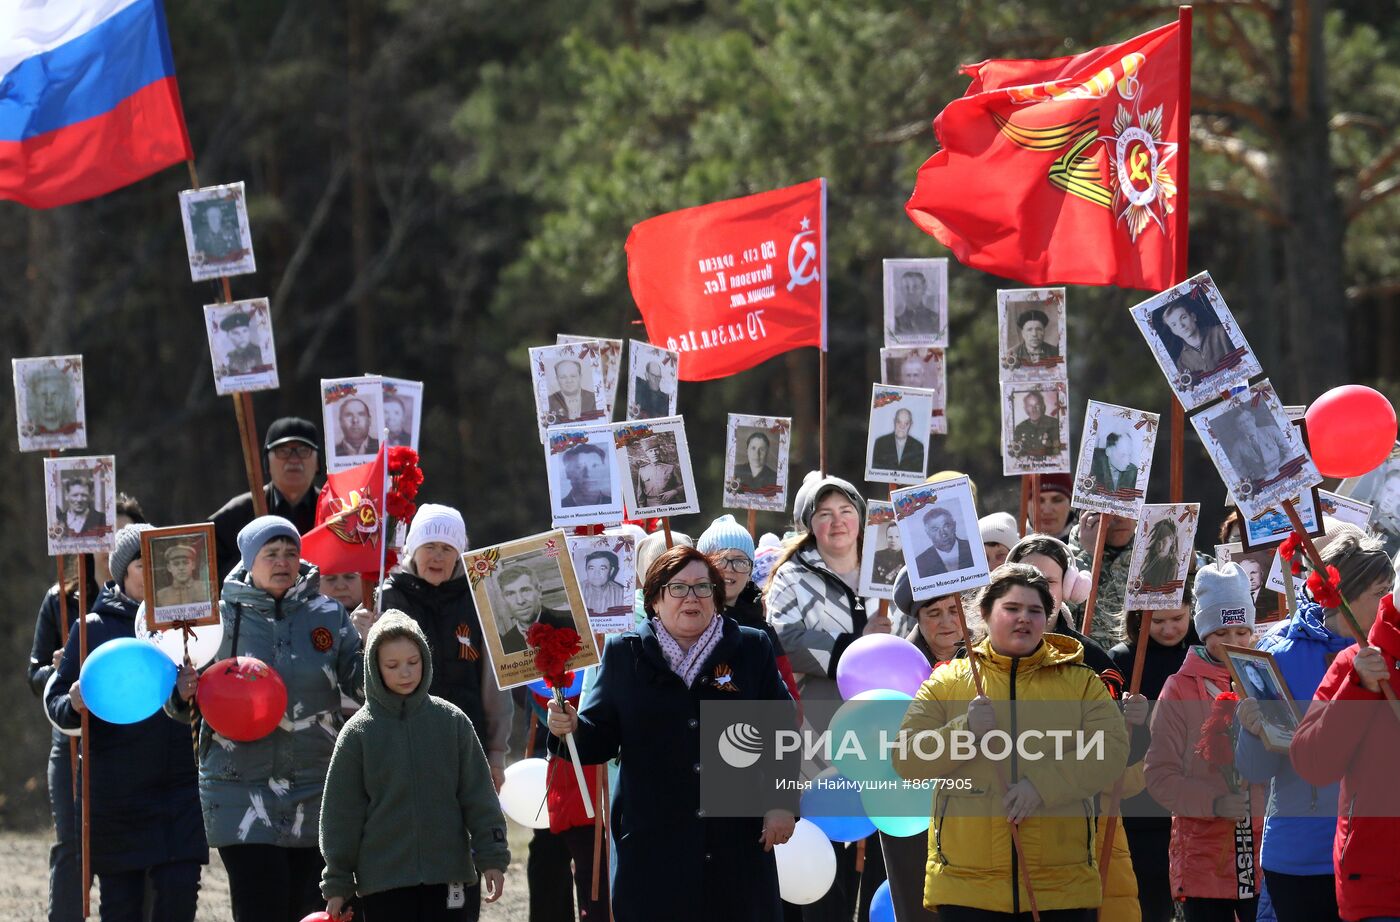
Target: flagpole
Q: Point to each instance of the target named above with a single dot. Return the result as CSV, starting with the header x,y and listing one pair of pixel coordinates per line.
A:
x,y
821,360
1183,219
384,519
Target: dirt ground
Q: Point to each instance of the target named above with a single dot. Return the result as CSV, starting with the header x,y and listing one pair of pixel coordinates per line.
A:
x,y
24,881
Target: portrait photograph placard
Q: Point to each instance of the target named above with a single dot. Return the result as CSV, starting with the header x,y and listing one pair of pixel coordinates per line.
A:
x,y
241,346
1257,565
182,587
1034,428
80,504
1257,675
1260,455
942,545
1162,550
585,487
568,382
1270,527
652,380
916,302
896,445
1367,487
611,352
517,584
883,555
217,237
1344,508
403,411
607,569
923,367
352,413
1031,331
1196,341
656,475
49,409
756,462
1115,459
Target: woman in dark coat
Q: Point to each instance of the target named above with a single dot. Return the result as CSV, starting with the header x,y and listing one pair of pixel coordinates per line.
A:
x,y
672,861
146,822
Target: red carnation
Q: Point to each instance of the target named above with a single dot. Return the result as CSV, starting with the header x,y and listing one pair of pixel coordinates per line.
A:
x,y
1326,591
1216,745
554,647
1288,550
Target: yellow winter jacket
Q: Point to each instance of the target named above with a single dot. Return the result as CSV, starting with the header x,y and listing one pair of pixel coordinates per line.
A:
x,y
971,858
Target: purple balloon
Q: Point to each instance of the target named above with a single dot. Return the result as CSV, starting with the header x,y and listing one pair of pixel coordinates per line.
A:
x,y
881,661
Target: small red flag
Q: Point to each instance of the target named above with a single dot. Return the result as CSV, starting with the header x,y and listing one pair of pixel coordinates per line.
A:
x,y
732,283
349,521
1066,170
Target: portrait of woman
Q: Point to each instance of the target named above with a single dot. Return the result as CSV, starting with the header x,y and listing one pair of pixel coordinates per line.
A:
x,y
1162,562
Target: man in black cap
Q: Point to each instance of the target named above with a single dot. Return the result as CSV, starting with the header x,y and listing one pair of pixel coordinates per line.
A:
x,y
293,449
1034,349
246,356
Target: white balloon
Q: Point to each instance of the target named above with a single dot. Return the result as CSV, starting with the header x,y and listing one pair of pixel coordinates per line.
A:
x,y
806,864
523,791
203,646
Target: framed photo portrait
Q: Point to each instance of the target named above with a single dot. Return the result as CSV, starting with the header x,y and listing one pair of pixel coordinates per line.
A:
x,y
883,557
584,484
896,445
756,462
611,352
1031,330
518,584
916,302
656,475
568,384
1270,527
80,504
1196,341
1257,675
1257,565
920,367
1034,428
49,407
1115,459
182,585
942,545
607,568
1162,551
352,412
403,411
241,346
652,380
1343,509
217,237
1260,455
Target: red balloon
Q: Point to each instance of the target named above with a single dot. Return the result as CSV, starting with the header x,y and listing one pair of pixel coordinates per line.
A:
x,y
322,916
242,698
1351,430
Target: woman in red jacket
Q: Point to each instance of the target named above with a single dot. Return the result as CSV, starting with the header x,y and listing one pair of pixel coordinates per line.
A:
x,y
1351,735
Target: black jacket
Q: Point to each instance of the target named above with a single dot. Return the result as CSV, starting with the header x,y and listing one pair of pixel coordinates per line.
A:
x,y
1159,664
145,799
47,635
237,512
748,611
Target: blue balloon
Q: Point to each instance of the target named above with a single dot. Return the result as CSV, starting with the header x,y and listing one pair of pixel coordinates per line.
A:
x,y
859,730
124,681
882,904
899,812
832,803
575,686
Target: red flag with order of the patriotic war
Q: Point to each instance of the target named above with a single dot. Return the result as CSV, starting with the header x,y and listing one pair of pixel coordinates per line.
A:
x,y
1065,170
349,520
733,283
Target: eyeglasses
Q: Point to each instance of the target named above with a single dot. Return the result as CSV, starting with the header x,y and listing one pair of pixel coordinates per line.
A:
x,y
737,564
681,590
287,452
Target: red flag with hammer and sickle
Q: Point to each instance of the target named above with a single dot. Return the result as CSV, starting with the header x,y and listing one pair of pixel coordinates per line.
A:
x,y
349,520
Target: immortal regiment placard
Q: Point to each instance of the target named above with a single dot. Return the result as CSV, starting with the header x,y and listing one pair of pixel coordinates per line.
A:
x,y
518,584
181,576
942,545
883,555
916,302
80,504
403,411
1344,508
1035,427
1272,526
49,408
352,412
608,567
611,352
216,231
1162,552
1196,341
585,487
896,446
1115,459
1031,330
655,467
568,382
653,376
1265,581
1259,454
756,462
241,346
923,367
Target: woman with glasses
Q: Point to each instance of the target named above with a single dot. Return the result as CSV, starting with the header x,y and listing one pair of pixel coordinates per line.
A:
x,y
644,710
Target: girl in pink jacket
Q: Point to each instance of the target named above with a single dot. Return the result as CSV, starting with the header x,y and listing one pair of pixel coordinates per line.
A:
x,y
1217,820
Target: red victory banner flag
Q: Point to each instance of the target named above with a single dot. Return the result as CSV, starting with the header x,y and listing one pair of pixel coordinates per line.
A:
x,y
732,283
349,520
1071,170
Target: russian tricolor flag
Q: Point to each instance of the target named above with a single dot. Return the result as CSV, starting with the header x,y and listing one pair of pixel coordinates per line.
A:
x,y
88,101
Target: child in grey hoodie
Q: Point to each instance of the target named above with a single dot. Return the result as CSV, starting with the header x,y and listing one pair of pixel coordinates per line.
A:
x,y
410,817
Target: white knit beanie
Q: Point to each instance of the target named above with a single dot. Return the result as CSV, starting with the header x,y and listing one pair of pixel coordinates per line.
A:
x,y
434,522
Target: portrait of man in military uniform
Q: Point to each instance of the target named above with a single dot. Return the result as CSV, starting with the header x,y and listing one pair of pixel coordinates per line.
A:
x,y
244,357
49,402
216,232
182,580
657,481
1038,434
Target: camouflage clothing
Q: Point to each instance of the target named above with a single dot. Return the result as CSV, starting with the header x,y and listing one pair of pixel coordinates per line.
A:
x,y
1107,628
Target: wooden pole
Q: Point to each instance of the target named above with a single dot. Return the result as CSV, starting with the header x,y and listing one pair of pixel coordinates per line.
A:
x,y
821,411
1025,504
602,773
1116,798
87,745
1034,525
1104,521
666,526
1183,223
63,638
753,525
